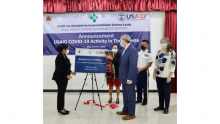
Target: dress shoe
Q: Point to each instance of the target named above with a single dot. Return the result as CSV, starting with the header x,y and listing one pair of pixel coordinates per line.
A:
x,y
138,101
67,111
122,113
165,111
128,117
117,102
144,103
63,113
109,101
158,108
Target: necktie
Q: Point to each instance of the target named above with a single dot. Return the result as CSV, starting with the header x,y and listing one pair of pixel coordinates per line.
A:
x,y
123,52
125,49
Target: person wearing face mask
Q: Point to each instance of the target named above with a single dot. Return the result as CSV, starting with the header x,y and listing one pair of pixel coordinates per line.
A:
x,y
145,61
128,76
115,82
61,75
165,63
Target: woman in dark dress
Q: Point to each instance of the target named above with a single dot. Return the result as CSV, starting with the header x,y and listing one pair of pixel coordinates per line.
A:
x,y
111,82
61,75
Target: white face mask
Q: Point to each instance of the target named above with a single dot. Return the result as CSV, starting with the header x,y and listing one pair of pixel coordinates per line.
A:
x,y
114,50
163,45
67,52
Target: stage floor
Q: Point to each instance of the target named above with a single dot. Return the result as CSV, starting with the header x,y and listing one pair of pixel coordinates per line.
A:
x,y
91,114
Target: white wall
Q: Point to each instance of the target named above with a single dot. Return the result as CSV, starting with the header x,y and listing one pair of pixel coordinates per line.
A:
x,y
157,32
157,21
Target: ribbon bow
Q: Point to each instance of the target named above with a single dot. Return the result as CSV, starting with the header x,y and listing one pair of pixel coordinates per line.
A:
x,y
113,105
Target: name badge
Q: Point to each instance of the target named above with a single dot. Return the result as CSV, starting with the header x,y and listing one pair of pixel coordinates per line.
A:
x,y
145,55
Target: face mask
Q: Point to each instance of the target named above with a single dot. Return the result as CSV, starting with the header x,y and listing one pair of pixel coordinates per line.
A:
x,y
121,44
114,50
163,45
67,52
143,48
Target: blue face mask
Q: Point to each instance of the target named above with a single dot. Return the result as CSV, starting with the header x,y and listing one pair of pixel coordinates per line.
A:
x,y
121,44
114,50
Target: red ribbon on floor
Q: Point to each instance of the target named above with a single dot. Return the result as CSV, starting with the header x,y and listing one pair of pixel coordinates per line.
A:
x,y
113,105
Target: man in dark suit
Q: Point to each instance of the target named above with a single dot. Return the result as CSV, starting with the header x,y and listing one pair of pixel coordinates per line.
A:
x,y
128,76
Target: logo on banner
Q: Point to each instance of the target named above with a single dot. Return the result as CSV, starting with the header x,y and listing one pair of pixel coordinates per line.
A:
x,y
48,18
101,52
94,17
79,51
131,17
121,17
90,52
97,52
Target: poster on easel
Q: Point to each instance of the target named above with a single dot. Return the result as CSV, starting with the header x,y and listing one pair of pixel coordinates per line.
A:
x,y
90,60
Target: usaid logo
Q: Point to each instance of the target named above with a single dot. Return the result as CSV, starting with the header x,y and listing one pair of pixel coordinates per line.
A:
x,y
136,17
131,17
101,52
121,17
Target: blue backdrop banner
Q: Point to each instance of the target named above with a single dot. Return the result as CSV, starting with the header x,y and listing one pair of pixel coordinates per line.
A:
x,y
99,30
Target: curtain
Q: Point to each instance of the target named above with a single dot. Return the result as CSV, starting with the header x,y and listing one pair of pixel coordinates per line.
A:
x,y
62,6
171,33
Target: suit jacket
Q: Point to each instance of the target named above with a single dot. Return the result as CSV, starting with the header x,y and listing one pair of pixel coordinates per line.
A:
x,y
128,66
62,68
116,62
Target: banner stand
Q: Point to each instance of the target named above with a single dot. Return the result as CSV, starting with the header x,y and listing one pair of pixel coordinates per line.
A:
x,y
92,90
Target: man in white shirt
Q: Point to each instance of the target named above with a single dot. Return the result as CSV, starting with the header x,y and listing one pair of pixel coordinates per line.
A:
x,y
145,61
